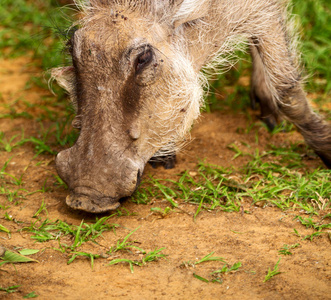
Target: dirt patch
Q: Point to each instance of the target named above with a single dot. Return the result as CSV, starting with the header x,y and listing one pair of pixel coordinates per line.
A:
x,y
253,239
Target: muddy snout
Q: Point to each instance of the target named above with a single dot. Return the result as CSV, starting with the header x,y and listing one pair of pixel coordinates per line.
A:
x,y
89,200
96,186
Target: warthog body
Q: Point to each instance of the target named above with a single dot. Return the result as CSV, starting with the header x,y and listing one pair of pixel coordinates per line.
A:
x,y
137,84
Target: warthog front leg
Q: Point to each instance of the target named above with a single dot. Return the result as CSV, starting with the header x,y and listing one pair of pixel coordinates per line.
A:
x,y
164,158
315,130
166,161
260,92
277,85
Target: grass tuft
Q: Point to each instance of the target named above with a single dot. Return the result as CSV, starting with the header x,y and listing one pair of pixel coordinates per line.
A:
x,y
272,273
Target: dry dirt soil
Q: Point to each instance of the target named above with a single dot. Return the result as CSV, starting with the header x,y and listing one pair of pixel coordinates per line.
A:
x,y
253,239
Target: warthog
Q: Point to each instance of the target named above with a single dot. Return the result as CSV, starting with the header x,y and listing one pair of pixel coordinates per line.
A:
x,y
137,85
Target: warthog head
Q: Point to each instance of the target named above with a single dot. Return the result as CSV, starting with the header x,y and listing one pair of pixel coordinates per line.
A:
x,y
136,93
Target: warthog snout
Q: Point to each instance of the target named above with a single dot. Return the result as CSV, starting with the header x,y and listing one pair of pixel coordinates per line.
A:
x,y
93,188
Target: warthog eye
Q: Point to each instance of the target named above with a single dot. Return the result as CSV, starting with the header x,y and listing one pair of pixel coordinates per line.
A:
x,y
143,60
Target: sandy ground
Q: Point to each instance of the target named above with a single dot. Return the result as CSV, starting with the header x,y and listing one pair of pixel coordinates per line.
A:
x,y
253,239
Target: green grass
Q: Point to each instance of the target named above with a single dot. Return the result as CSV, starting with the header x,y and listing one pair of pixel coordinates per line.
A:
x,y
154,255
46,230
318,226
315,21
38,29
10,186
50,137
49,230
78,235
162,212
272,273
125,245
209,257
262,181
128,246
8,144
285,250
10,289
90,256
216,276
35,27
30,295
4,229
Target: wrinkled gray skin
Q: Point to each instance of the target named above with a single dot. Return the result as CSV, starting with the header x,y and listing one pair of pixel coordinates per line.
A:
x,y
135,83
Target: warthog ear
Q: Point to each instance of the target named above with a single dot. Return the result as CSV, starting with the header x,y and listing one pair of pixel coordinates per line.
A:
x,y
190,10
65,77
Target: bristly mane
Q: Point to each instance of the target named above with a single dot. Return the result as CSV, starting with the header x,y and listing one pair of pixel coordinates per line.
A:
x,y
144,7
